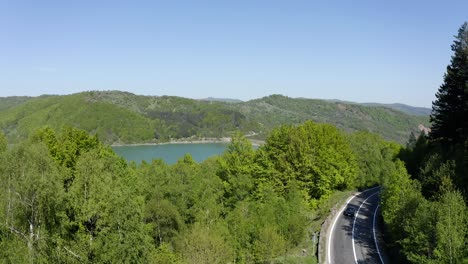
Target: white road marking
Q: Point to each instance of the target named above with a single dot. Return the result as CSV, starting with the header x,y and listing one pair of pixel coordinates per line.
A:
x,y
375,240
336,218
333,227
354,223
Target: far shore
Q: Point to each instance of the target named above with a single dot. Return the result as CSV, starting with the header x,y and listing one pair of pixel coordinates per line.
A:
x,y
226,140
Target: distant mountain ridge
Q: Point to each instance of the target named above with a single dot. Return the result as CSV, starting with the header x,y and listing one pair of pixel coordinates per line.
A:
x,y
123,117
8,102
226,100
411,110
408,109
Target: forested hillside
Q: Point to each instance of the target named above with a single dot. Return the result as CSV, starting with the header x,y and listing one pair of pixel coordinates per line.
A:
x,y
9,102
411,110
275,110
120,117
109,121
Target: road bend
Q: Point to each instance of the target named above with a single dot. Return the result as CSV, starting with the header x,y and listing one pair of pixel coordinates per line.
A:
x,y
356,240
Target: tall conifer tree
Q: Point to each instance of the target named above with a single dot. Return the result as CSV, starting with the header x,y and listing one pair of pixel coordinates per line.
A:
x,y
450,111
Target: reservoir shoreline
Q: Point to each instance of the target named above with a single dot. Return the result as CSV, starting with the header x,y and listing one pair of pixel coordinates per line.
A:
x,y
226,140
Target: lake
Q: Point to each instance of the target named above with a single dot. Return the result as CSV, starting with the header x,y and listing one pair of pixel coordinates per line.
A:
x,y
170,153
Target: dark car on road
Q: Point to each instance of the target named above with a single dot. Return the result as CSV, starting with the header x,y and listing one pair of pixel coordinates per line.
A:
x,y
350,211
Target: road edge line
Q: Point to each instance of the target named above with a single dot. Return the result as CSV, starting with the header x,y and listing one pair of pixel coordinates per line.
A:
x,y
375,239
354,223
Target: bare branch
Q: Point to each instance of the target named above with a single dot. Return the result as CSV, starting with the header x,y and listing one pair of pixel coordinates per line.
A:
x,y
14,230
72,253
23,201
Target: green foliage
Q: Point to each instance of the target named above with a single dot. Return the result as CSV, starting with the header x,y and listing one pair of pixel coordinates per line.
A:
x,y
206,245
165,255
317,156
435,232
236,169
12,249
415,154
107,213
67,147
97,216
247,206
427,231
373,155
400,198
420,241
263,230
437,177
451,228
31,197
269,244
164,220
3,143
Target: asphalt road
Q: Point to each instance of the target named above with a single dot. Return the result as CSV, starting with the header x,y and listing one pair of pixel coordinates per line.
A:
x,y
356,239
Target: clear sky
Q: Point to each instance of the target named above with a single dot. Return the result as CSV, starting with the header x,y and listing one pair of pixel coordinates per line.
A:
x,y
363,51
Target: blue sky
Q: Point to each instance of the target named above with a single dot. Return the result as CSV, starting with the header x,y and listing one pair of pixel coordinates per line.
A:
x,y
363,51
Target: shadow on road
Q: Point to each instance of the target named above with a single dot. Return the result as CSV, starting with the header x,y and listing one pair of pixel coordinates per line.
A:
x,y
363,231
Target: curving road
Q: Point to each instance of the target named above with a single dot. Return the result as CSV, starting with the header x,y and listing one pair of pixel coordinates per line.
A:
x,y
356,239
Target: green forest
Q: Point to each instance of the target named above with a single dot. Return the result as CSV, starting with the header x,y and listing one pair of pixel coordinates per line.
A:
x,y
424,204
123,118
66,197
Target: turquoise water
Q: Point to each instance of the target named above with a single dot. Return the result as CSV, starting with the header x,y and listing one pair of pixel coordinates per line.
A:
x,y
170,153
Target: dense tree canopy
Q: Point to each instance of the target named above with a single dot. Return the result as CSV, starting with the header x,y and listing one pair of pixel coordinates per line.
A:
x,y
317,156
426,211
67,198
